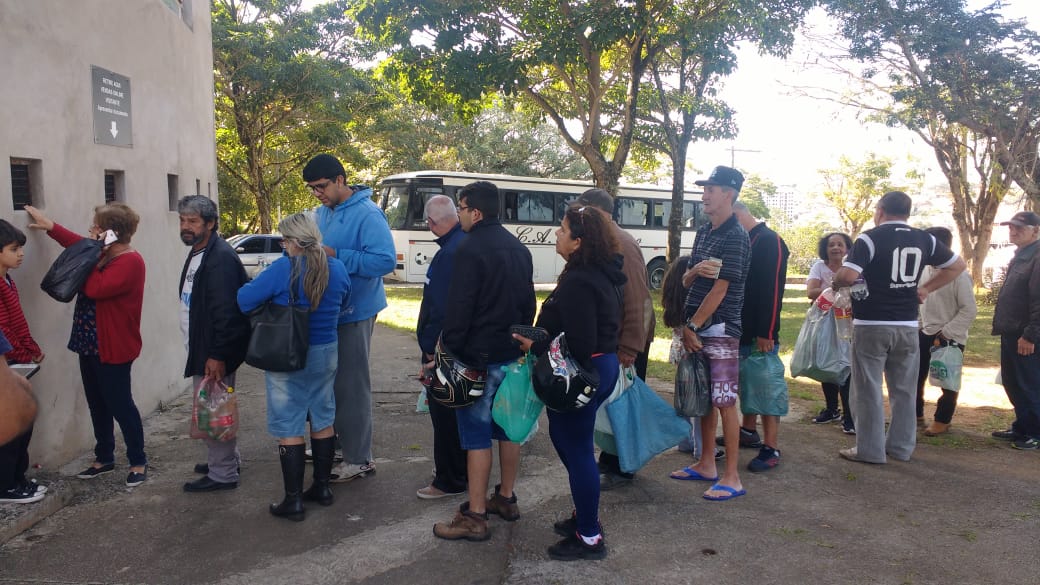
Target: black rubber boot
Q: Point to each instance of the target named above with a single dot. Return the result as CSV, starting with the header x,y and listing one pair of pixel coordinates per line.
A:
x,y
291,507
322,451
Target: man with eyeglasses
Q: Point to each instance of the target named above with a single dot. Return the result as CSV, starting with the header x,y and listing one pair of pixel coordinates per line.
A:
x,y
1016,319
492,288
355,231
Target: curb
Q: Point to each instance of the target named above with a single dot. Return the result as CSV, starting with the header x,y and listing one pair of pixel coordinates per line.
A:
x,y
17,518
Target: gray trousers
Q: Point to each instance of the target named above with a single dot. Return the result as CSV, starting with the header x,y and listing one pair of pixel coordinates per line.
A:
x,y
222,456
353,388
891,351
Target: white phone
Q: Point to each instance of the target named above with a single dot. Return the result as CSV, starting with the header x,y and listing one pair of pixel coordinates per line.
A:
x,y
26,370
110,237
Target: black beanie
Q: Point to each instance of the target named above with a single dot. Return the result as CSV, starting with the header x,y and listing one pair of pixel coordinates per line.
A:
x,y
323,166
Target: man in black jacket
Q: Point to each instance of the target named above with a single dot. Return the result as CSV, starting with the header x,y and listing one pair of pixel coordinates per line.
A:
x,y
215,332
1016,319
491,289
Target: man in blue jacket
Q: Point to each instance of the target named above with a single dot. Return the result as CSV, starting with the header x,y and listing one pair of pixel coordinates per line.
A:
x,y
449,458
356,232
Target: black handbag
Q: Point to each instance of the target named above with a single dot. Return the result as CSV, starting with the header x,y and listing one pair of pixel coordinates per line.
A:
x,y
71,268
693,386
281,334
454,384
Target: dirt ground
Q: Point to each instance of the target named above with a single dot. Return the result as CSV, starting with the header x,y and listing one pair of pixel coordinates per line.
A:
x,y
964,510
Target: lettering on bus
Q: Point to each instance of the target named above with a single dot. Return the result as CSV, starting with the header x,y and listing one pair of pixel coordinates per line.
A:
x,y
529,235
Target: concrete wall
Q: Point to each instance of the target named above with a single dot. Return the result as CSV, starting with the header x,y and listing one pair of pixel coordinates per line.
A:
x,y
46,105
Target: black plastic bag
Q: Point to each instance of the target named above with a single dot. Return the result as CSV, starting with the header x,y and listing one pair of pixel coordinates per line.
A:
x,y
693,386
71,268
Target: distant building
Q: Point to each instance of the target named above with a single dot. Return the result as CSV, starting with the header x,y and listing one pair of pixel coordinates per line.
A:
x,y
106,100
784,201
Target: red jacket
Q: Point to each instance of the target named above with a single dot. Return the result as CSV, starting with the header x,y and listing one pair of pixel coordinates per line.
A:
x,y
118,291
13,325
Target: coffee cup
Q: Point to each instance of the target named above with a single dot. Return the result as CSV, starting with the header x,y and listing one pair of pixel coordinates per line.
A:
x,y
716,265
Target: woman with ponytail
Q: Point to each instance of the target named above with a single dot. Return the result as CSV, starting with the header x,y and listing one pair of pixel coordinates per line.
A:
x,y
321,285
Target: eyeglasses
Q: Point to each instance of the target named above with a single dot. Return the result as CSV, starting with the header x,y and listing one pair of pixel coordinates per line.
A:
x,y
319,189
464,208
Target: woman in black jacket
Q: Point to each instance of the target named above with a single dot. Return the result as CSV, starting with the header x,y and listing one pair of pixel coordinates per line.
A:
x,y
586,307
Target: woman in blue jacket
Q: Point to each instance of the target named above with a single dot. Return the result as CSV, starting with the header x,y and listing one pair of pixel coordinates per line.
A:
x,y
322,285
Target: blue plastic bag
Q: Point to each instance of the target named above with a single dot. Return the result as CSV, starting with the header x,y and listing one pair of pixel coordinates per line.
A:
x,y
517,408
763,389
644,425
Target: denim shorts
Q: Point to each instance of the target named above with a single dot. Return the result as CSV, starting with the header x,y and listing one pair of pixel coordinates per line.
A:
x,y
291,396
476,428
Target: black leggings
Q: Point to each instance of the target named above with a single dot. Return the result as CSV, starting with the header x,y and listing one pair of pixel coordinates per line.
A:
x,y
831,392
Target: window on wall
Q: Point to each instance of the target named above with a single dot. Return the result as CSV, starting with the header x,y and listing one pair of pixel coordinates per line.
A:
x,y
183,9
173,188
114,186
25,182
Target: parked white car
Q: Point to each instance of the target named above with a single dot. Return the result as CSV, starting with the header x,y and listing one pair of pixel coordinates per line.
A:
x,y
256,251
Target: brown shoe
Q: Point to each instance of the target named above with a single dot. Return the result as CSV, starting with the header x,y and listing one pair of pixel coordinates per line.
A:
x,y
502,506
466,524
936,428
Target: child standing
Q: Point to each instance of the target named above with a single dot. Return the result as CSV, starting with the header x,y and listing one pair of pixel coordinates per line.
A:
x,y
14,456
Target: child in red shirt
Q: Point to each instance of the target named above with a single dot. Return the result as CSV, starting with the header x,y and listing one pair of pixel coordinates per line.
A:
x,y
14,456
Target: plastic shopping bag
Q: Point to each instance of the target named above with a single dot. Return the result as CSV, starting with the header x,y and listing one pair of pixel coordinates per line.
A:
x,y
763,389
214,412
944,367
644,425
517,408
819,353
70,269
693,386
603,433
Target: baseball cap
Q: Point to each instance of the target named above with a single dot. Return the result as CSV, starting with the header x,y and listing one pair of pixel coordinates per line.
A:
x,y
1023,218
724,176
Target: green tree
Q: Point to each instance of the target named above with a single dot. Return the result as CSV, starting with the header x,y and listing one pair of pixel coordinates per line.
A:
x,y
284,92
965,82
853,189
802,240
692,53
580,64
754,194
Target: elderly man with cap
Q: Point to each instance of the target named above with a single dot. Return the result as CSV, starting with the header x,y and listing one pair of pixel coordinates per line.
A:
x,y
1016,319
637,320
355,231
715,282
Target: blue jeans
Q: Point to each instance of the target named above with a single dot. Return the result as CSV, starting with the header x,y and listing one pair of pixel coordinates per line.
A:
x,y
571,434
291,396
107,387
1021,377
476,428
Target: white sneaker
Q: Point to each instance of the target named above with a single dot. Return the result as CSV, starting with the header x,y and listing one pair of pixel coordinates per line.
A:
x,y
347,471
20,495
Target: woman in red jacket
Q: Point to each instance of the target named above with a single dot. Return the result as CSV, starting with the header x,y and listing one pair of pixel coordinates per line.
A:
x,y
106,333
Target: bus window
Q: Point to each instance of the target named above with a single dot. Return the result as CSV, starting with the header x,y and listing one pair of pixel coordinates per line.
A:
x,y
396,199
562,201
631,212
509,206
533,206
663,209
407,209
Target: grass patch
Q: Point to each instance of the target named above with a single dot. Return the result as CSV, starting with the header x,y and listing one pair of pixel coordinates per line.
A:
x,y
954,440
969,535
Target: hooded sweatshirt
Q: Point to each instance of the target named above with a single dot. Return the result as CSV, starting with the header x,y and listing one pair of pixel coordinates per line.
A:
x,y
357,230
586,306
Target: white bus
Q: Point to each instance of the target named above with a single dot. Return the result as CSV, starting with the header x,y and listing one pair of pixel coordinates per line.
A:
x,y
532,209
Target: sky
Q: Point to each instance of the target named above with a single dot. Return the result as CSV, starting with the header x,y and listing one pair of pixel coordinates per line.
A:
x,y
787,138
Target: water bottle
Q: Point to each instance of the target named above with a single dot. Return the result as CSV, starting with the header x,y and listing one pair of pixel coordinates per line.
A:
x,y
843,313
859,289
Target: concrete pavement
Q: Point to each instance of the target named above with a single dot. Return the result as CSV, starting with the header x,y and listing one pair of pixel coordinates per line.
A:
x,y
963,514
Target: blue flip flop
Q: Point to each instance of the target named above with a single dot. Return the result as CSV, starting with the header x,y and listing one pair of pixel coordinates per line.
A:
x,y
732,493
693,475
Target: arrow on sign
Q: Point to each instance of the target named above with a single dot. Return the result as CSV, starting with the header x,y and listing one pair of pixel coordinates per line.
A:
x,y
114,130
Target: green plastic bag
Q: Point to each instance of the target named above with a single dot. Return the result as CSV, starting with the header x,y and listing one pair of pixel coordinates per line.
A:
x,y
517,408
763,389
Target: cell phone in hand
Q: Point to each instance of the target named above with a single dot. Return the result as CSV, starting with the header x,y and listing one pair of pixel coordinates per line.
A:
x,y
27,370
535,334
110,237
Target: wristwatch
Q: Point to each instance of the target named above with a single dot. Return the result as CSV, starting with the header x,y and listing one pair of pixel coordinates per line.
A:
x,y
692,327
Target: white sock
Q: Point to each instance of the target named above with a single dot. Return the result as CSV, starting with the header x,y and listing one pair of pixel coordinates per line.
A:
x,y
591,540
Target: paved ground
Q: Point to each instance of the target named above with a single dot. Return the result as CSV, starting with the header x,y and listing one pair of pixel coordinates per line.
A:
x,y
966,512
